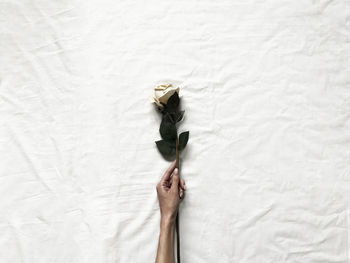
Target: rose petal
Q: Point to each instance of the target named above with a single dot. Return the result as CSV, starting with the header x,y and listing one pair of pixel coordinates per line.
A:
x,y
158,93
167,94
156,101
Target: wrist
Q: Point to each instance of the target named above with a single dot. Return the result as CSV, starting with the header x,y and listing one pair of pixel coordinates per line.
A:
x,y
167,221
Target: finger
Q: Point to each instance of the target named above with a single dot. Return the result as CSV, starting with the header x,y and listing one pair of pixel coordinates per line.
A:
x,y
168,172
181,193
175,180
182,184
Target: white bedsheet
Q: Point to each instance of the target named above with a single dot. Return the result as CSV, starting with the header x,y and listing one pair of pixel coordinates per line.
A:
x,y
266,89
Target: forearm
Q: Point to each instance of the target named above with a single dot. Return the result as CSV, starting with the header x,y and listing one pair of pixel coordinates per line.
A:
x,y
165,252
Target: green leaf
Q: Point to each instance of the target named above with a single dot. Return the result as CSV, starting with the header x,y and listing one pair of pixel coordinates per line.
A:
x,y
173,102
167,149
183,139
173,117
180,115
169,117
168,130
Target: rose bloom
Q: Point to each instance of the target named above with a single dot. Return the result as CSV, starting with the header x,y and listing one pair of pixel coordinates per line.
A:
x,y
162,93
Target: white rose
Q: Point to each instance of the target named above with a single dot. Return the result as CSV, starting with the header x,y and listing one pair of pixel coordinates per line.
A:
x,y
163,92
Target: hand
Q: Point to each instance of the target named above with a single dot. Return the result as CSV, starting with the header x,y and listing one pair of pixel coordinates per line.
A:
x,y
170,191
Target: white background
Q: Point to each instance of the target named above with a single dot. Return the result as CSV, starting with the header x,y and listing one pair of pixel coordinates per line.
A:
x,y
266,89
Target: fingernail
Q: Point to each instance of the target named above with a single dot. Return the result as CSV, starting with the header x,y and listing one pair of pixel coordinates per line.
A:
x,y
176,171
185,187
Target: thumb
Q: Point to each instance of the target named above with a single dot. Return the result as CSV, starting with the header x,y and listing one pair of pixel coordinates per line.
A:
x,y
176,180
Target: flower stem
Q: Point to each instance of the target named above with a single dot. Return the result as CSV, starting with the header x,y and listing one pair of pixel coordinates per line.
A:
x,y
177,238
177,165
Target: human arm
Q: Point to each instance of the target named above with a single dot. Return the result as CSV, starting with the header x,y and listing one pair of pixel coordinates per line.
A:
x,y
170,192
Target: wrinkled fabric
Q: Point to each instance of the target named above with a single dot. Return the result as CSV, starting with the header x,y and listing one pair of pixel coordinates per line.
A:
x,y
266,89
